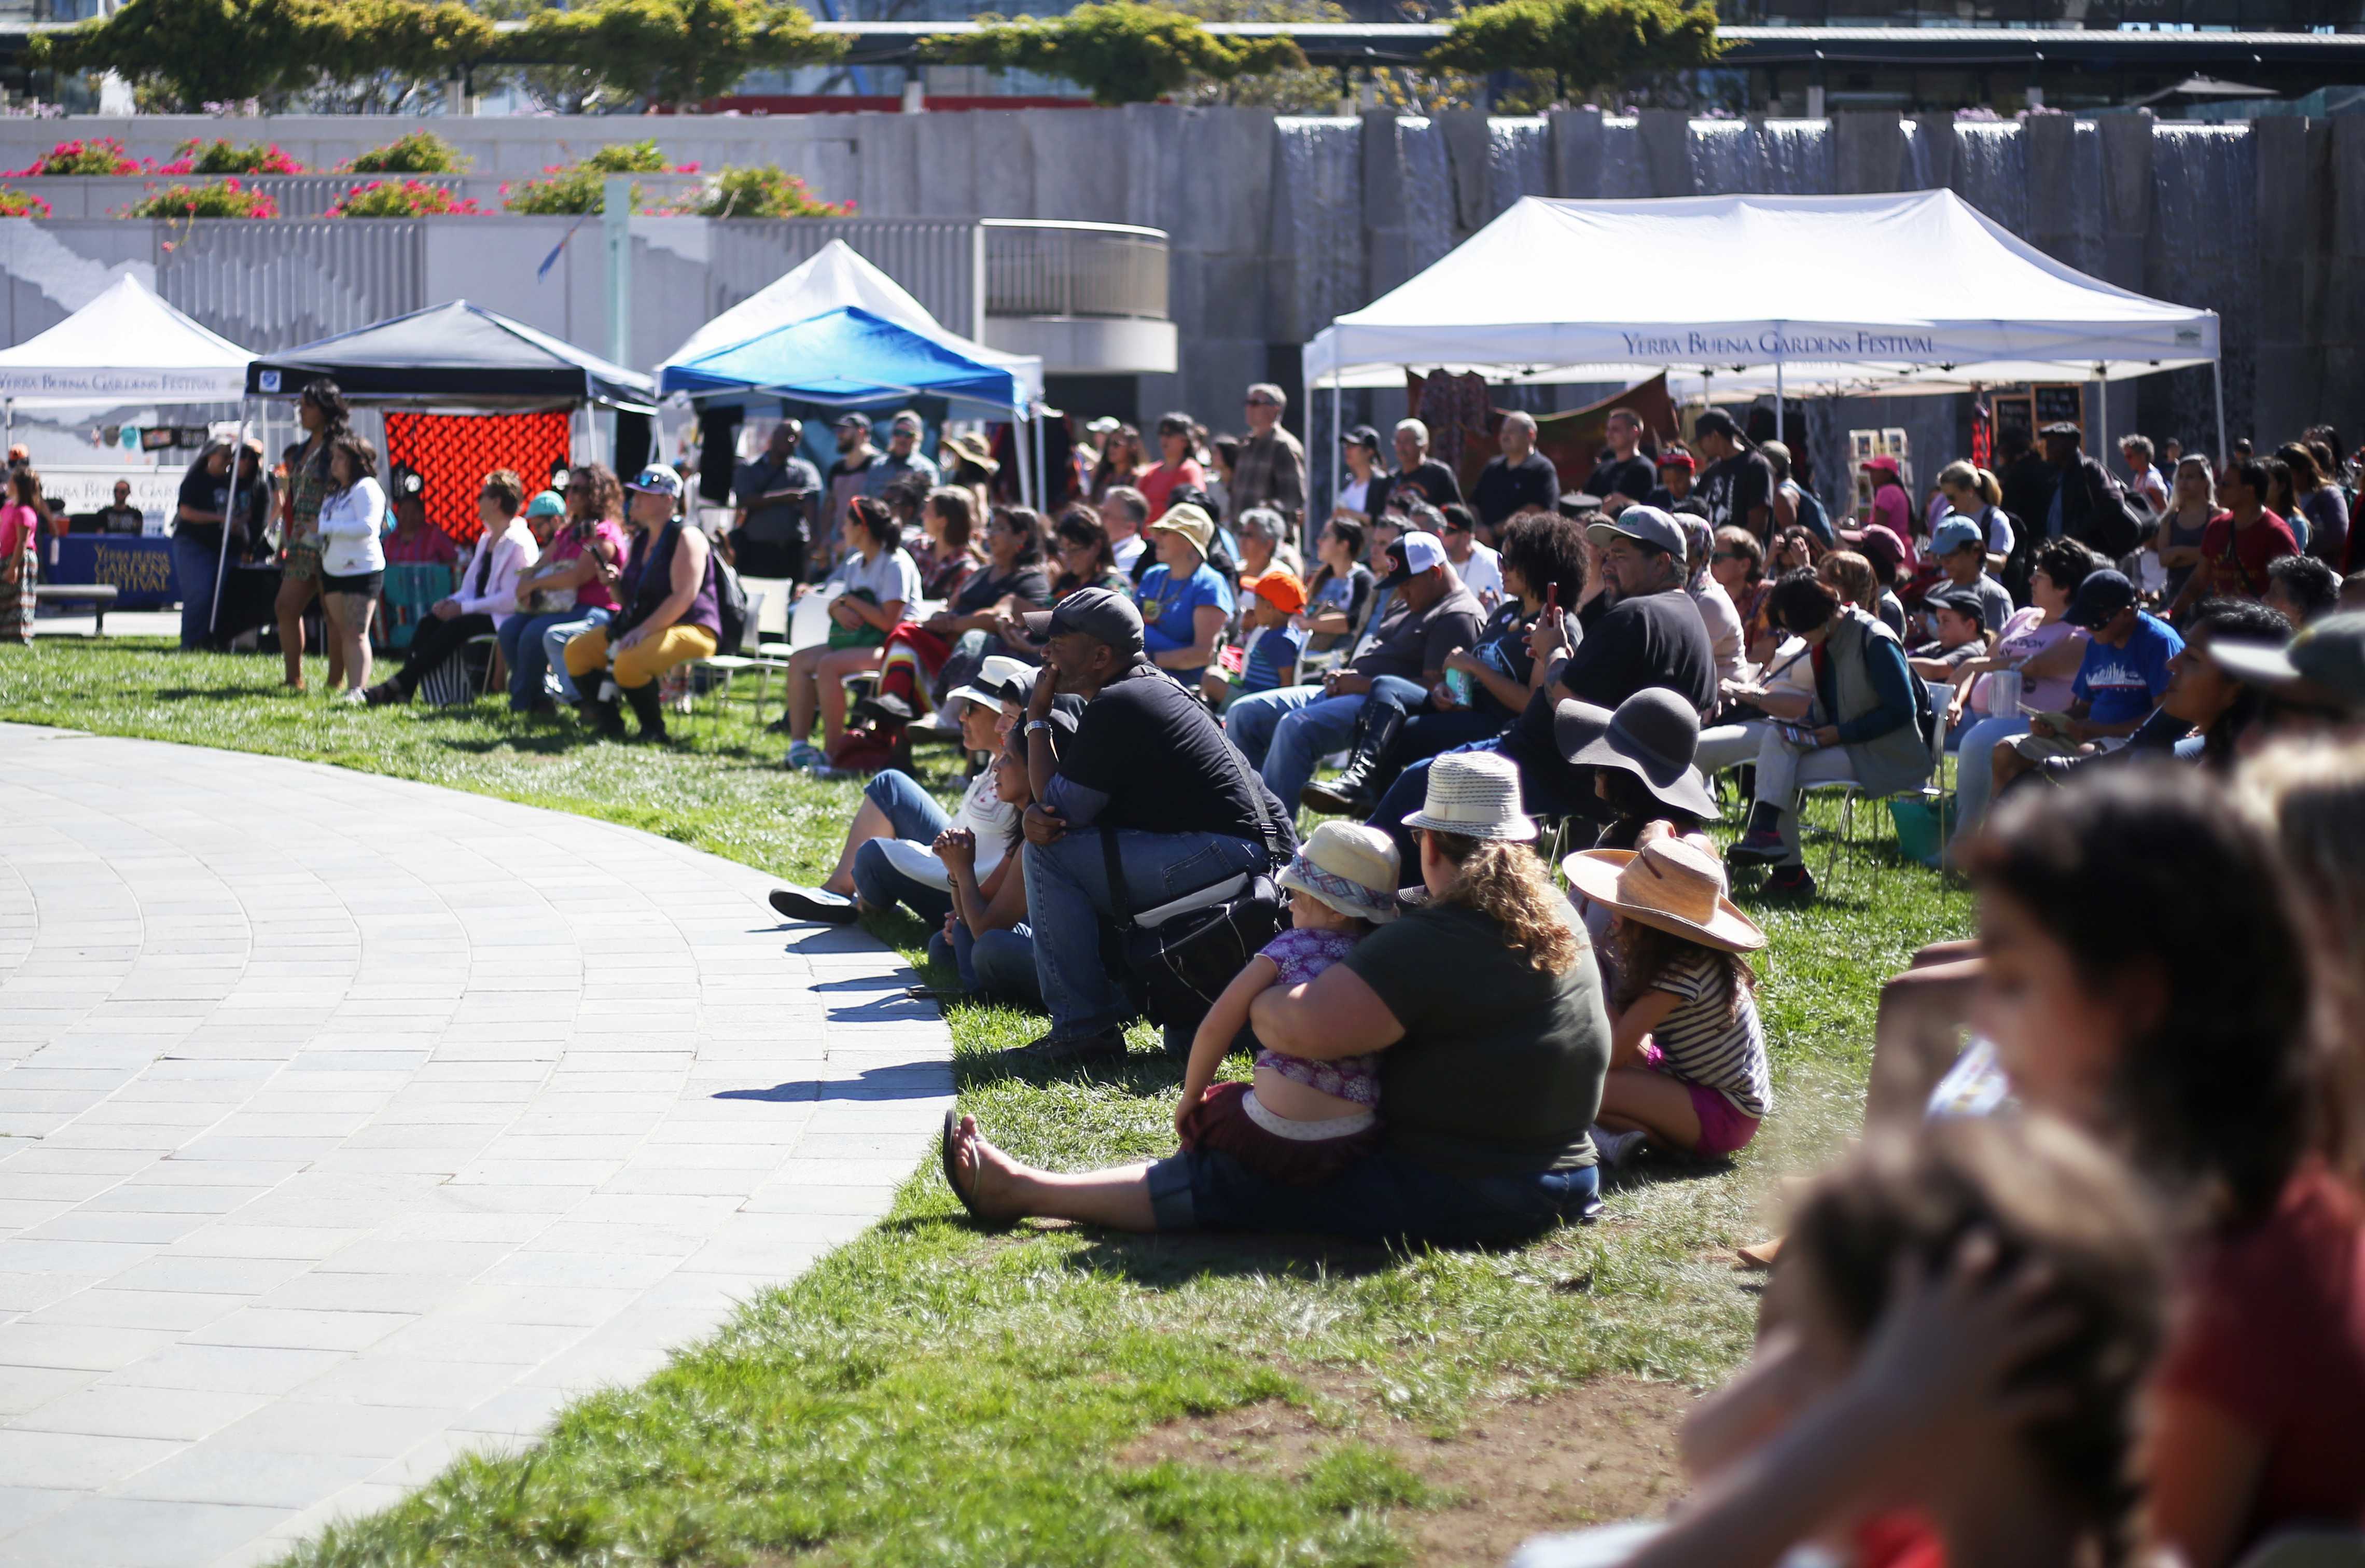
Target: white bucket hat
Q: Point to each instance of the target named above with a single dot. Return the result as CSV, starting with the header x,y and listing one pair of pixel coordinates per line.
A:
x,y
999,679
1475,794
1351,868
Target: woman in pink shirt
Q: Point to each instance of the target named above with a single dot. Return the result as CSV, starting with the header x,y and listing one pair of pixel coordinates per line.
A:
x,y
568,593
1175,464
21,527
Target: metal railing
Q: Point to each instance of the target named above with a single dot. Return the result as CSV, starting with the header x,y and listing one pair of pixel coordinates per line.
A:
x,y
1108,270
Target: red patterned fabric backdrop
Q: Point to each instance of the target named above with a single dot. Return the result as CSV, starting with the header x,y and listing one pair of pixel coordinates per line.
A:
x,y
452,452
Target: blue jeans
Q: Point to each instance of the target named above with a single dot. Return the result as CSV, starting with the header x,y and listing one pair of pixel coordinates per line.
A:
x,y
1068,897
996,966
555,635
1285,731
195,566
1974,775
914,815
523,650
1386,1197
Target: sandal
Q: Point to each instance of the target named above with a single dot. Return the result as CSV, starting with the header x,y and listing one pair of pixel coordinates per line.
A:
x,y
952,1174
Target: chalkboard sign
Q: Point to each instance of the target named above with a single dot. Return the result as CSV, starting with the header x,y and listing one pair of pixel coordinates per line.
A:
x,y
2056,404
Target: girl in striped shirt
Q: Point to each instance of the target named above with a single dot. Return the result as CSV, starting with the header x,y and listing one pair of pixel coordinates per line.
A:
x,y
1687,1063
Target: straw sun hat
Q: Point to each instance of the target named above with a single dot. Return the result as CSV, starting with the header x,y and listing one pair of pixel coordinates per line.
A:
x,y
1669,884
1349,867
1475,794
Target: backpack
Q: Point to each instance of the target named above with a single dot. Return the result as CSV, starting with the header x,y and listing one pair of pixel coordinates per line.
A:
x,y
2117,520
730,606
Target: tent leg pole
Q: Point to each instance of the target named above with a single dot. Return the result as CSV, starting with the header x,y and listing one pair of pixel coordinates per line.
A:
x,y
1042,470
1025,479
1337,479
221,562
2102,422
1778,402
2218,386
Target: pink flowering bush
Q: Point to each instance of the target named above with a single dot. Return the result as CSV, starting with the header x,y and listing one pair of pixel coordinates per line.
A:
x,y
17,204
99,155
228,199
222,157
405,198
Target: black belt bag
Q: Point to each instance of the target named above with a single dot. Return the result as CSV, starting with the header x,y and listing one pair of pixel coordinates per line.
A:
x,y
1183,953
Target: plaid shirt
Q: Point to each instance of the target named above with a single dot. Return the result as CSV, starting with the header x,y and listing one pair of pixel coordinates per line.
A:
x,y
1271,471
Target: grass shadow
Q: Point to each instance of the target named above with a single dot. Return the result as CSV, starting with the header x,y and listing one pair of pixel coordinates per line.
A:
x,y
1161,1262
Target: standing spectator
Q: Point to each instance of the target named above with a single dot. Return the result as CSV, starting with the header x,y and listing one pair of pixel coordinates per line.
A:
x,y
1121,462
1623,471
487,596
2135,452
1676,469
1795,505
1124,513
1479,566
1417,476
1286,732
1977,495
2171,453
1865,726
2027,482
566,593
320,409
1738,487
2191,506
1518,479
2240,541
902,460
968,465
848,477
775,494
1176,464
1340,590
1890,508
2301,589
667,612
1185,602
121,515
877,579
2321,502
1271,468
2085,501
20,533
1361,449
352,561
207,506
1148,763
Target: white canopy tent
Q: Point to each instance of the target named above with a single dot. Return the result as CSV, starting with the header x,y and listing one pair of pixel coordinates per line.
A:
x,y
837,279
1740,296
126,346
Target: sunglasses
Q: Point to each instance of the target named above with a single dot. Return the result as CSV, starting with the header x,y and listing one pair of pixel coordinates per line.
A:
x,y
1729,555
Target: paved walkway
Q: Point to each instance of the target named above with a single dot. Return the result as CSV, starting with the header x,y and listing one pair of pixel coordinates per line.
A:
x,y
346,1124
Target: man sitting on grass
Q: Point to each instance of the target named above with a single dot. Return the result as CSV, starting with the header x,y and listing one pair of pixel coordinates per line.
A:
x,y
1146,763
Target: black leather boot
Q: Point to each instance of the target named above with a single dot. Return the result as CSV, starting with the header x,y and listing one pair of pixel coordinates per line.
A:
x,y
1356,791
647,709
603,718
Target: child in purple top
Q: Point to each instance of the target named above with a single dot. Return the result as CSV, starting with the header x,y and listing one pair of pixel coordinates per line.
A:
x,y
1300,1120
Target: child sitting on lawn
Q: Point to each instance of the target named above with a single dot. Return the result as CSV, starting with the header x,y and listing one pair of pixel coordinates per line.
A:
x,y
1300,1120
1687,1054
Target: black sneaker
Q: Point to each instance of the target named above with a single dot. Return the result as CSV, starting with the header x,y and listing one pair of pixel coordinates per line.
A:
x,y
1789,882
814,904
1055,1051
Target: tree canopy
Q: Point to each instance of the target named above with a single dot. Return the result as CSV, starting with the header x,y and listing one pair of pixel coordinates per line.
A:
x,y
1119,50
1588,44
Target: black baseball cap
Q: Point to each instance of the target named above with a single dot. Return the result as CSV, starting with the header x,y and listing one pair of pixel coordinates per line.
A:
x,y
1716,422
1364,436
1963,601
2064,428
2102,594
1100,613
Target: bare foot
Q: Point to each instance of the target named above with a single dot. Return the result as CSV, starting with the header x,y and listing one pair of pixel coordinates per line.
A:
x,y
990,1175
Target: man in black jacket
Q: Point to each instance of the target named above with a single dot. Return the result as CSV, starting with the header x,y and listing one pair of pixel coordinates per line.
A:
x,y
2085,501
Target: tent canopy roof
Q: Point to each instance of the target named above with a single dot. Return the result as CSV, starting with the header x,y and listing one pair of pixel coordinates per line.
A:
x,y
126,346
1892,293
454,354
835,329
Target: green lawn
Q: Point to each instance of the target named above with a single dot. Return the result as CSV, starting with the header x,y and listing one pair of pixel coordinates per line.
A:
x,y
933,1394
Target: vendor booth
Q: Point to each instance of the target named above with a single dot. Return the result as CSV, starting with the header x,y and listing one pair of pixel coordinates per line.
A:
x,y
1740,296
126,347
837,332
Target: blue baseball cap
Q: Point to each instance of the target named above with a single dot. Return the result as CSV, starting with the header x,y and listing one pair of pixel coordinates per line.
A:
x,y
547,503
1955,532
656,479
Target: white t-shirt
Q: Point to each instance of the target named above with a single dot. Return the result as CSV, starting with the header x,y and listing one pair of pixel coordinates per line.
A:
x,y
1483,573
350,520
891,575
1129,551
1353,494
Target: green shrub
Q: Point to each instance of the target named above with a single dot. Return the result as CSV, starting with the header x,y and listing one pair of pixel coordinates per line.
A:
x,y
19,204
99,155
1586,44
222,157
227,199
765,192
404,198
420,152
1120,51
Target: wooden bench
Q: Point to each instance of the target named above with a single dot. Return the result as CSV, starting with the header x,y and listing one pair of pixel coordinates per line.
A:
x,y
98,596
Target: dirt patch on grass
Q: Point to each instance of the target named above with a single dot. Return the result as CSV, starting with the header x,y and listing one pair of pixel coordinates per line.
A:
x,y
1587,1455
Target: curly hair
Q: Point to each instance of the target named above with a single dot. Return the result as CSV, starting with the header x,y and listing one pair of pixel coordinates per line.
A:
x,y
1505,881
602,496
1547,550
1643,952
2066,562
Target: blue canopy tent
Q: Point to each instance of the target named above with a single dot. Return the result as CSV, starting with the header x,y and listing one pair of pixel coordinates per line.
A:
x,y
837,332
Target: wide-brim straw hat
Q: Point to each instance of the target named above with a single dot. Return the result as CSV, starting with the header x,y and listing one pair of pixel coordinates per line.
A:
x,y
1670,884
1475,794
1349,867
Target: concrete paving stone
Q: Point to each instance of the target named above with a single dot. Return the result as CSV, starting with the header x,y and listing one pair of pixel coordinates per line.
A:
x,y
578,1270
413,1381
244,1238
361,1292
101,1308
78,1347
89,1225
452,1335
82,1460
227,1276
519,1412
303,1424
137,1532
229,1369
24,1389
205,1473
182,1415
24,1255
585,1308
23,1506
415,1256
292,1328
